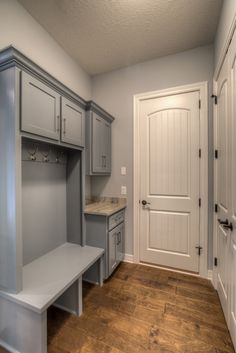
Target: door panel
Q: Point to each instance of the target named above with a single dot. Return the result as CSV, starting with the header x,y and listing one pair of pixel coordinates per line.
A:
x,y
223,184
73,123
222,268
232,291
40,108
223,144
173,232
169,153
232,191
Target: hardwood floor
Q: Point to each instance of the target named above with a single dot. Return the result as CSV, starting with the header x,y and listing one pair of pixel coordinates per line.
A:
x,y
142,309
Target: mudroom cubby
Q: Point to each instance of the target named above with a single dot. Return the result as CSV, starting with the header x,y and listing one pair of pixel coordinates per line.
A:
x,y
51,198
43,255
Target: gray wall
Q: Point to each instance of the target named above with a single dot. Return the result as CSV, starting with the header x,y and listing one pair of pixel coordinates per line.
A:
x,y
115,90
44,220
226,19
19,28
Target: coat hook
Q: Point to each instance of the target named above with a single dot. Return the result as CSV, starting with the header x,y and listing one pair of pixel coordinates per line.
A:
x,y
32,154
45,156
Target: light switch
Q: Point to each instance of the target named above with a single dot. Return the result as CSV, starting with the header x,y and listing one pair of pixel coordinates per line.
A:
x,y
123,170
123,190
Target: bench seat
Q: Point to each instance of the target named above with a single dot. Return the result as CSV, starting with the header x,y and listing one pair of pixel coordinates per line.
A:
x,y
47,278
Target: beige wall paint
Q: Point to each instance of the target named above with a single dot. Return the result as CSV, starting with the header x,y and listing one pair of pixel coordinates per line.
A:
x,y
227,16
114,91
17,27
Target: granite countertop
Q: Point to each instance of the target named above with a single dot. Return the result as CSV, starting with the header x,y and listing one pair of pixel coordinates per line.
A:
x,y
105,206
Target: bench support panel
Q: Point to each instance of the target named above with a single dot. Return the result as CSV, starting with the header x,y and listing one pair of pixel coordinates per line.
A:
x,y
21,329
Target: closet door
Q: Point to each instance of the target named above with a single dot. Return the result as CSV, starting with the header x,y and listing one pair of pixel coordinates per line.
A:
x,y
232,241
73,123
223,187
40,108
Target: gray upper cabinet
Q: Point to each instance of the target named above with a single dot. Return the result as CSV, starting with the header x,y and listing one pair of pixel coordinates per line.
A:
x,y
40,108
43,114
98,141
73,123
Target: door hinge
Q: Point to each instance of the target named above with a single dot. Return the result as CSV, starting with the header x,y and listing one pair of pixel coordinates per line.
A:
x,y
216,208
199,249
200,202
215,262
215,98
200,153
216,154
199,103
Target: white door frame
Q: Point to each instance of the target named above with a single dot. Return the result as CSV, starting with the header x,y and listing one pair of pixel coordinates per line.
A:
x,y
202,87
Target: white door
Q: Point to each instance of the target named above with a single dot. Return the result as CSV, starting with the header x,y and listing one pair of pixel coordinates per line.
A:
x,y
232,192
223,181
170,168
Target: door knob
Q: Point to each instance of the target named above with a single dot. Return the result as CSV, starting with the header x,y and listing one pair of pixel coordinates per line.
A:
x,y
144,203
228,226
223,223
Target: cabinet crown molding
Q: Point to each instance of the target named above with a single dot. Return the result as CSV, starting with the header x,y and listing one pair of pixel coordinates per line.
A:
x,y
10,57
94,107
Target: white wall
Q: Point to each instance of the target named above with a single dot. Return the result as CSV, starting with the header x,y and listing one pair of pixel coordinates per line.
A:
x,y
226,19
17,27
114,91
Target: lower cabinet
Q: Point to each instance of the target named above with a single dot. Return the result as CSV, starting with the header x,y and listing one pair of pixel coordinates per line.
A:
x,y
106,232
116,251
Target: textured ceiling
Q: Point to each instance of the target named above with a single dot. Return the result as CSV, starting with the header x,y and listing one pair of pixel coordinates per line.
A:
x,y
104,35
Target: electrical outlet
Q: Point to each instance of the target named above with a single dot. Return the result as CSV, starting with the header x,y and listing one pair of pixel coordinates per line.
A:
x,y
123,190
123,170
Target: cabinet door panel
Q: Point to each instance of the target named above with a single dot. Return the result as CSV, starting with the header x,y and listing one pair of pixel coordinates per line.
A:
x,y
73,123
112,250
120,243
97,141
107,147
40,108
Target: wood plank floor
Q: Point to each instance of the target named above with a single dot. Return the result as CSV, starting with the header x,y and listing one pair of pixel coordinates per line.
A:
x,y
142,309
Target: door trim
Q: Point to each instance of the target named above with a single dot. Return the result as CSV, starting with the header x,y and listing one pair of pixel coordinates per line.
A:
x,y
202,88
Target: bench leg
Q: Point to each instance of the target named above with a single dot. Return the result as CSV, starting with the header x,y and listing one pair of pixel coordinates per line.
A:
x,y
80,296
21,329
101,271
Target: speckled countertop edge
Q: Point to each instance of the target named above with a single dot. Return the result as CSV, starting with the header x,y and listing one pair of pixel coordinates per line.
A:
x,y
105,206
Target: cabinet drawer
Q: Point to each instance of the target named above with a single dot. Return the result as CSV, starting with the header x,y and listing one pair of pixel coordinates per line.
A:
x,y
116,219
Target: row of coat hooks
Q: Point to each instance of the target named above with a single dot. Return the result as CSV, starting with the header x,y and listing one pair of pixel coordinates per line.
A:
x,y
43,153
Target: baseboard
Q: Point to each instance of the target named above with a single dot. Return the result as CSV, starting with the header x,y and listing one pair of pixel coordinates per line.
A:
x,y
7,347
129,258
210,275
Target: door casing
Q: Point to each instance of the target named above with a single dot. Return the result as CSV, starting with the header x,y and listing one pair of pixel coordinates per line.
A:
x,y
202,88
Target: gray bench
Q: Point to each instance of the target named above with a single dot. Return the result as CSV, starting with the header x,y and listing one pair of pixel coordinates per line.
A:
x,y
55,278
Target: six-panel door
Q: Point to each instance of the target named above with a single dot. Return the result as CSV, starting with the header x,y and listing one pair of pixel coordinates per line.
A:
x,y
72,123
40,108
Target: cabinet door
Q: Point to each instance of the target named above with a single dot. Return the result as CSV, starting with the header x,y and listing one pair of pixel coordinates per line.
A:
x,y
120,243
73,123
106,153
112,250
97,144
101,149
40,108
